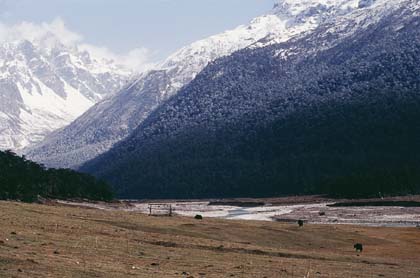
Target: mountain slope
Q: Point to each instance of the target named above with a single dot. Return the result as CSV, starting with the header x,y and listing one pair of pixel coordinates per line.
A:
x,y
21,179
341,101
45,87
114,119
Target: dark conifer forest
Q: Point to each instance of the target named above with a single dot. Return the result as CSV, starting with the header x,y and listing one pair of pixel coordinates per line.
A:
x,y
343,120
22,179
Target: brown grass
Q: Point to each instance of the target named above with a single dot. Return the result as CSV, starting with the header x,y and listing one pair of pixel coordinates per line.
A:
x,y
60,241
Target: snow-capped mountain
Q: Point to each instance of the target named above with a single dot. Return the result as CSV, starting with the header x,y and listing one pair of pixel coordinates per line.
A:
x,y
114,119
45,85
333,110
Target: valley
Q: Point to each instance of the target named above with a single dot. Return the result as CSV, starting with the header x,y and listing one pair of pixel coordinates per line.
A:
x,y
117,160
65,241
311,209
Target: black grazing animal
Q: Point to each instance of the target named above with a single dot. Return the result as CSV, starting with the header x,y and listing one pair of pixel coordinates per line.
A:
x,y
358,247
198,217
300,223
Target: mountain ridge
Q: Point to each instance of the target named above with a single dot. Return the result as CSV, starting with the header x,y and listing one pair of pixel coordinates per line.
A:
x,y
46,85
282,118
114,119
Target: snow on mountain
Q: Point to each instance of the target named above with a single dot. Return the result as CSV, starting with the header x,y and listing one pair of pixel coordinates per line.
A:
x,y
334,110
113,119
46,83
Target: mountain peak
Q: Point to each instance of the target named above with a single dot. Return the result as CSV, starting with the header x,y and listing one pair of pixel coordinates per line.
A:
x,y
299,9
46,84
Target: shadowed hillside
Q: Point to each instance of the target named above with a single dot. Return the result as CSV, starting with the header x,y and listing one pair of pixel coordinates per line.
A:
x,y
21,179
336,111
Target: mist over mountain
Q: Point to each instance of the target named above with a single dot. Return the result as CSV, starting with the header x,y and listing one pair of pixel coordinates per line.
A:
x,y
47,82
334,110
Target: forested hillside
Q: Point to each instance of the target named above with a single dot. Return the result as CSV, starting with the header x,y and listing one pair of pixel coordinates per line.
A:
x,y
336,111
21,179
115,118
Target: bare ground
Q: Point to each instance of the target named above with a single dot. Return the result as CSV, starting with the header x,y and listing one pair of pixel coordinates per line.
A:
x,y
63,241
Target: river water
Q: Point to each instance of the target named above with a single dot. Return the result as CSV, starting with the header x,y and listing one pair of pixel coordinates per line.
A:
x,y
319,213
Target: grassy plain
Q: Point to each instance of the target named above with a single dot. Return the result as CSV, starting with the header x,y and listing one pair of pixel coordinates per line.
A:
x,y
62,241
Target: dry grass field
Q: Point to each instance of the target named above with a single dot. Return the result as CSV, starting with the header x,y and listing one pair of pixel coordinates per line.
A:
x,y
61,241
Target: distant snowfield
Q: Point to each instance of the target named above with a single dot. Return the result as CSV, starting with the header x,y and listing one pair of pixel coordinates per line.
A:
x,y
318,213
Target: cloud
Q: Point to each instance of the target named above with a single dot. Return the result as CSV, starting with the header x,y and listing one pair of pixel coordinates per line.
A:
x,y
44,33
48,35
138,59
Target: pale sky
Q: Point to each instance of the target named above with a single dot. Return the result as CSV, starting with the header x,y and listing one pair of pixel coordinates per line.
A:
x,y
160,26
